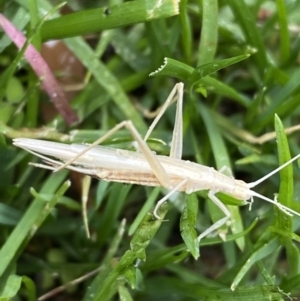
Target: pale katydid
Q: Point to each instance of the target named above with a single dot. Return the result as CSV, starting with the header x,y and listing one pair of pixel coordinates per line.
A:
x,y
144,167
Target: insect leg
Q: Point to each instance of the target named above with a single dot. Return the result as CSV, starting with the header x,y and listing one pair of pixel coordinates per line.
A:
x,y
154,163
176,146
225,170
166,197
219,223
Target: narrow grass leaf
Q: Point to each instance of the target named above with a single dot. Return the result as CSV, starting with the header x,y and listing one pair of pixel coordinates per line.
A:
x,y
173,68
28,225
286,194
30,288
130,276
284,100
105,79
9,215
19,17
106,267
145,209
258,254
86,185
182,71
213,67
10,288
115,242
193,291
116,200
285,50
160,258
219,88
290,284
286,189
124,293
209,32
187,225
146,232
245,18
138,244
186,28
129,52
120,15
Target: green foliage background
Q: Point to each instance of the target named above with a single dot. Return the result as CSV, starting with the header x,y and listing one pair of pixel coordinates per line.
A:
x,y
239,61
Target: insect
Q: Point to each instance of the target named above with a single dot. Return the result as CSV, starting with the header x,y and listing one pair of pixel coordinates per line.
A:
x,y
143,167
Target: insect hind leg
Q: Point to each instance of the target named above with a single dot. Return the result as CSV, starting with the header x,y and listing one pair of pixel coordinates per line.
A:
x,y
154,163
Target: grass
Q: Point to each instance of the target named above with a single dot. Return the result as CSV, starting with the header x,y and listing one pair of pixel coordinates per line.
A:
x,y
239,62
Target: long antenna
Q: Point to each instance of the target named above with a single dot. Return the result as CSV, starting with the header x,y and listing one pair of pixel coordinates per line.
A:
x,y
253,184
279,205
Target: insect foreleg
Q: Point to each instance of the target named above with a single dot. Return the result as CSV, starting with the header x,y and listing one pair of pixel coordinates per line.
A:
x,y
219,223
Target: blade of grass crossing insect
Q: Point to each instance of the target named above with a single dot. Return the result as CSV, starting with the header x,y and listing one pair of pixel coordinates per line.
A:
x,y
286,194
222,159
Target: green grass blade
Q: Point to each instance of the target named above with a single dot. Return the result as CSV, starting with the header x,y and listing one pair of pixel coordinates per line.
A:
x,y
119,15
209,32
284,31
187,225
258,254
30,222
247,22
105,79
